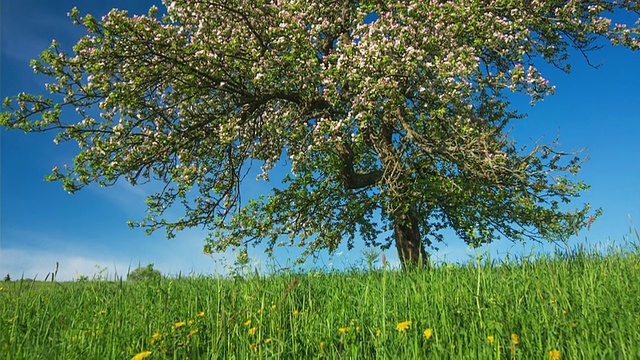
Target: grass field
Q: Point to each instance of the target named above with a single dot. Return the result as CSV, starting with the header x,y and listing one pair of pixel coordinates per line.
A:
x,y
582,306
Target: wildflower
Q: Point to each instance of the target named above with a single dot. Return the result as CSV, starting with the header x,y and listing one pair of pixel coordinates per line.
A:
x,y
156,337
273,306
267,340
191,322
554,354
343,330
194,331
428,333
247,323
378,332
295,312
402,326
252,331
321,345
200,314
254,347
179,324
357,328
491,339
142,355
259,311
514,339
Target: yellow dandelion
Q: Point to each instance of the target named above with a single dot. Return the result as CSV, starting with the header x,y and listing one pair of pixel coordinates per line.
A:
x,y
428,333
491,339
267,340
321,345
273,306
156,337
253,330
247,323
259,311
142,355
378,332
200,314
74,338
403,326
191,322
514,339
357,328
179,324
343,330
254,347
554,354
295,312
194,331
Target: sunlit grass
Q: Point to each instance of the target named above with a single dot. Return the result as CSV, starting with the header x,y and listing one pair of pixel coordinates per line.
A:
x,y
580,306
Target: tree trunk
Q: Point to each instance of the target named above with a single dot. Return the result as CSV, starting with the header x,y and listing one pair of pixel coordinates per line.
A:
x,y
409,242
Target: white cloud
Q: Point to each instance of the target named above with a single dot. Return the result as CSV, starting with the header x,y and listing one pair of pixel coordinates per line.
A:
x,y
89,256
34,264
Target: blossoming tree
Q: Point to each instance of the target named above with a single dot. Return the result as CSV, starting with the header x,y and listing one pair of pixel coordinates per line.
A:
x,y
391,116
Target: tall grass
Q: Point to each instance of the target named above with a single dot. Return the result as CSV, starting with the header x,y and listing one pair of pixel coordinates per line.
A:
x,y
583,306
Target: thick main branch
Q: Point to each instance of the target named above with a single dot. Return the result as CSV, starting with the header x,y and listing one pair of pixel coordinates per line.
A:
x,y
353,179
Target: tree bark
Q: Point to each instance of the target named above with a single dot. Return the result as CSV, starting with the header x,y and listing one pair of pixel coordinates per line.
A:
x,y
411,251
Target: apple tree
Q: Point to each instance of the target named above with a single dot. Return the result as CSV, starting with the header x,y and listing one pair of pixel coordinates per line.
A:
x,y
391,117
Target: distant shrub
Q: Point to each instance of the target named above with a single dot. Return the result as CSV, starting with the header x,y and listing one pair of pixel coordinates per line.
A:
x,y
7,278
147,273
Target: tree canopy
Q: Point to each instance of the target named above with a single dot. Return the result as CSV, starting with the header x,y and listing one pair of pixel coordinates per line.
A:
x,y
392,116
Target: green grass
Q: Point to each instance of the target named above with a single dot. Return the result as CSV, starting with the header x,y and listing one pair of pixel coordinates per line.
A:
x,y
586,306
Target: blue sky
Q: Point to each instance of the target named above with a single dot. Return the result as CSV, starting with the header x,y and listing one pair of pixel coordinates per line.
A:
x,y
40,224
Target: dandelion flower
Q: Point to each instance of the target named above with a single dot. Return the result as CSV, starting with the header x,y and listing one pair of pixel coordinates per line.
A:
x,y
514,339
295,312
343,330
200,314
191,322
267,340
179,324
378,332
259,311
403,326
554,354
142,355
491,339
321,345
252,331
156,337
273,306
254,347
247,323
428,333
